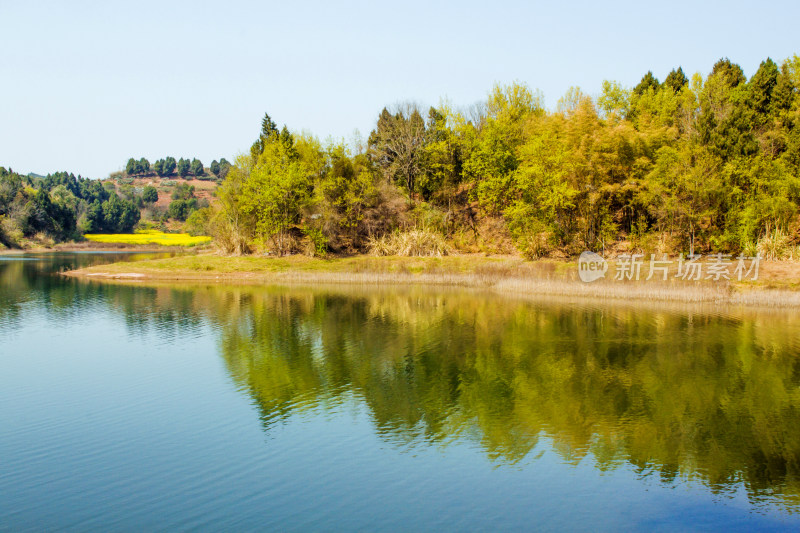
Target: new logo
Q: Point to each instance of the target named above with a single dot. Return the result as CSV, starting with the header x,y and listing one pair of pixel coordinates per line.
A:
x,y
591,267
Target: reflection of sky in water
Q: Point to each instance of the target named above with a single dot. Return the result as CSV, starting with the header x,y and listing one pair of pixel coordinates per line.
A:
x,y
120,409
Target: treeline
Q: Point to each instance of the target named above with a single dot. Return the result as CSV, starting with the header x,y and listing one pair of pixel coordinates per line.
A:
x,y
59,207
702,165
182,167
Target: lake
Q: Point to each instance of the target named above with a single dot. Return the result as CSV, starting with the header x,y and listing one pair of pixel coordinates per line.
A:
x,y
176,407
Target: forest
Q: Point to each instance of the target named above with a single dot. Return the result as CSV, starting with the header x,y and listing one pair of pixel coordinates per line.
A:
x,y
704,165
40,211
700,165
59,207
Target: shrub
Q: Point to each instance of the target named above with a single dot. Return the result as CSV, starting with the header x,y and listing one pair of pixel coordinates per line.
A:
x,y
317,243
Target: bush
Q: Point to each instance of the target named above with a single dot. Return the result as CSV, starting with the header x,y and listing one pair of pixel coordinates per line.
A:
x,y
199,222
412,243
150,194
181,209
317,243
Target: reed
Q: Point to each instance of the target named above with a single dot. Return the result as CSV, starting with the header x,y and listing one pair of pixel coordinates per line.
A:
x,y
411,243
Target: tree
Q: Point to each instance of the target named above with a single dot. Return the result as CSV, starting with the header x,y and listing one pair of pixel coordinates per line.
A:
x,y
649,82
181,209
197,167
183,191
158,167
760,88
224,168
615,101
214,168
130,168
731,73
269,132
676,80
278,186
150,194
396,146
183,167
119,216
169,166
143,166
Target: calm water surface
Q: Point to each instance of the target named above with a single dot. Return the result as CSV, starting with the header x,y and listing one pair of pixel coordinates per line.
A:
x,y
129,408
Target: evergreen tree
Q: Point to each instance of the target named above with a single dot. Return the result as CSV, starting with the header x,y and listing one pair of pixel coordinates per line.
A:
x,y
169,166
150,194
676,80
648,82
197,167
183,167
761,86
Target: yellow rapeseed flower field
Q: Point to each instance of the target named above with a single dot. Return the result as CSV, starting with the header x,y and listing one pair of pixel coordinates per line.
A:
x,y
149,237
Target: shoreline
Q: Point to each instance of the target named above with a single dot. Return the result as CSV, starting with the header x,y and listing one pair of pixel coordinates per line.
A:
x,y
779,286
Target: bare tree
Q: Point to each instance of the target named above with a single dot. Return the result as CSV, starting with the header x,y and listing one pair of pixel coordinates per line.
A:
x,y
396,145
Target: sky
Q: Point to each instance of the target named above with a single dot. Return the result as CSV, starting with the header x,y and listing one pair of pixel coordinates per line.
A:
x,y
86,85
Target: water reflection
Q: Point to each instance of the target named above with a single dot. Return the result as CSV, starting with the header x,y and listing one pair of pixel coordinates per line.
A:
x,y
678,393
710,397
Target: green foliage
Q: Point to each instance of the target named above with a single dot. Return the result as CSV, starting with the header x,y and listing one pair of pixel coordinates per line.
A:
x,y
199,222
63,205
278,186
181,209
710,165
197,168
149,194
224,168
318,242
183,167
182,191
676,80
142,166
648,83
615,100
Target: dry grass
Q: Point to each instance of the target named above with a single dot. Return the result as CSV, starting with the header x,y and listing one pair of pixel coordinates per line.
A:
x,y
774,246
412,243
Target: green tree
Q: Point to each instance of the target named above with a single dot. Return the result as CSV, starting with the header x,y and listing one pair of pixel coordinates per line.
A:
x,y
649,82
149,194
279,185
181,209
676,80
183,167
197,167
169,166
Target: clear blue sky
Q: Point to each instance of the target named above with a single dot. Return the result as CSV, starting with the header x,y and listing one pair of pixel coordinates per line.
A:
x,y
85,85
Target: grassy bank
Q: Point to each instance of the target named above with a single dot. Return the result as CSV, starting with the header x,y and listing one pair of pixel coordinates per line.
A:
x,y
778,284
